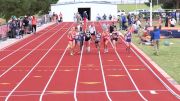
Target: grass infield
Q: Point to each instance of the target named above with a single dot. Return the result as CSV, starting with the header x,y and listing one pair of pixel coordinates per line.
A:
x,y
169,56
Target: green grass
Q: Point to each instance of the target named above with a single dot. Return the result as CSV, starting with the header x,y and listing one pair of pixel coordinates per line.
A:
x,y
169,58
132,7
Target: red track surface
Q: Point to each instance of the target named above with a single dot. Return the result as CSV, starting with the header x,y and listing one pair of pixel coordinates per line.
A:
x,y
40,68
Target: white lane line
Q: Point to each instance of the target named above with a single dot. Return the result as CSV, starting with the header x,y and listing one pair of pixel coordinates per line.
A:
x,y
32,49
77,77
52,75
33,93
26,44
164,84
28,53
35,66
104,80
129,75
95,91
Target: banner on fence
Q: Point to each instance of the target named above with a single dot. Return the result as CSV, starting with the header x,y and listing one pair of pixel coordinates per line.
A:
x,y
3,30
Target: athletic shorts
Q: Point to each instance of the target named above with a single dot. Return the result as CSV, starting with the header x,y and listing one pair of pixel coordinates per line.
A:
x,y
128,40
87,38
93,33
97,41
116,39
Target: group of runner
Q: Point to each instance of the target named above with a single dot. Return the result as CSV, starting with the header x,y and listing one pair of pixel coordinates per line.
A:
x,y
84,34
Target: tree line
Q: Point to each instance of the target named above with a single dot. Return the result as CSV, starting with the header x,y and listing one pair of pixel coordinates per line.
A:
x,y
167,4
24,7
31,7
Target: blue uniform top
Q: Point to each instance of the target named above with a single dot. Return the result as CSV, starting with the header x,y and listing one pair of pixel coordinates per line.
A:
x,y
156,34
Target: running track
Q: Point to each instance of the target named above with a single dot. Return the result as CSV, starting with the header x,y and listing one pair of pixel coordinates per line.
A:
x,y
39,68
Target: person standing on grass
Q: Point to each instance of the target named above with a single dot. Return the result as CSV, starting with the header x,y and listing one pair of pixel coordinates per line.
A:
x,y
167,21
34,24
156,38
160,20
173,22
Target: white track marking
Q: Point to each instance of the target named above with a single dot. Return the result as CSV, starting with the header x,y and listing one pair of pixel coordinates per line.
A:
x,y
129,74
32,93
28,54
104,80
52,75
164,84
77,77
26,44
35,66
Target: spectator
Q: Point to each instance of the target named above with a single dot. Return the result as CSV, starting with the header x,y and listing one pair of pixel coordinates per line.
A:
x,y
30,24
145,38
124,27
173,22
25,24
160,21
98,17
13,27
167,21
156,39
104,17
110,17
60,17
34,24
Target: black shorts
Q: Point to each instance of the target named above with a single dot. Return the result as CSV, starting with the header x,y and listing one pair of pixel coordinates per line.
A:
x,y
97,41
128,40
93,33
87,38
116,39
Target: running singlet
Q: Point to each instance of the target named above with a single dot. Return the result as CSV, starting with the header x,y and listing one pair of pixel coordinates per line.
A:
x,y
77,35
98,37
106,37
72,36
128,36
88,34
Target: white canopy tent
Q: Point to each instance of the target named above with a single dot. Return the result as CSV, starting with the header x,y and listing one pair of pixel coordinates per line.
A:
x,y
69,7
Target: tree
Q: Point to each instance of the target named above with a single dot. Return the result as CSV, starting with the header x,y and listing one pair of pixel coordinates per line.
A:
x,y
24,7
167,4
